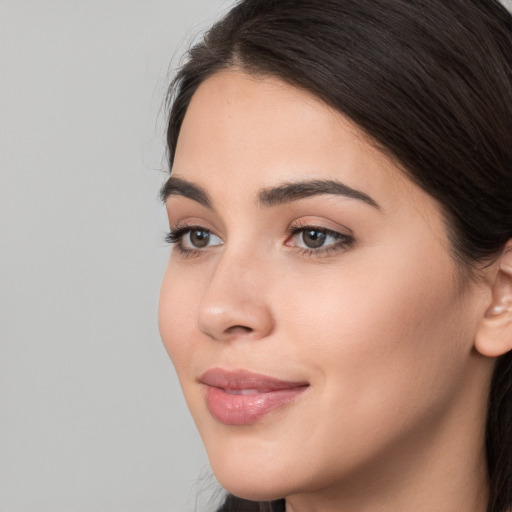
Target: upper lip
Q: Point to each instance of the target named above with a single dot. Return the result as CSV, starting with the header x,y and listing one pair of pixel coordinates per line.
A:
x,y
243,379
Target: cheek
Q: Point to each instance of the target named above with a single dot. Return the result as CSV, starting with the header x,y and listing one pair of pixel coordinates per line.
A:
x,y
176,319
383,339
386,351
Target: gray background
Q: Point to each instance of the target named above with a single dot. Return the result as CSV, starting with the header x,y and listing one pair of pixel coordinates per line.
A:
x,y
91,416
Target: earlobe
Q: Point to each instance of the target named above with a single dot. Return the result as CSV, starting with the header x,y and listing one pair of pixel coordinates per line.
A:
x,y
494,334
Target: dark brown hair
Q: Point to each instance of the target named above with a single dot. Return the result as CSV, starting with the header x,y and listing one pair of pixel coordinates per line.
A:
x,y
430,82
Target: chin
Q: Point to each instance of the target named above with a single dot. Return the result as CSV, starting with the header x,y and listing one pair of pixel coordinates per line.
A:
x,y
251,485
251,471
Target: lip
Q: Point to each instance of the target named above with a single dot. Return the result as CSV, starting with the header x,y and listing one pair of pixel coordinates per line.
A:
x,y
240,397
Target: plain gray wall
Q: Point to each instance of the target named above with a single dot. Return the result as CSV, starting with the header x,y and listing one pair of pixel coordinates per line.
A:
x,y
91,415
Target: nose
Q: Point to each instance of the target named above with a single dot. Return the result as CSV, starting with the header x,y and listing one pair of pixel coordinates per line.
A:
x,y
236,301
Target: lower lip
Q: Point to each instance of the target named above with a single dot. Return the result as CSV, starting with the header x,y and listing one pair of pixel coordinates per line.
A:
x,y
247,409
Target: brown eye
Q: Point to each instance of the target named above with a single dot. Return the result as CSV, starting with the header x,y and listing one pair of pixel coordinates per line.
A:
x,y
313,238
199,238
319,240
192,239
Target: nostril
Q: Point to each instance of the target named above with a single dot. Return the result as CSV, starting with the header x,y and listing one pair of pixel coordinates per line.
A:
x,y
239,329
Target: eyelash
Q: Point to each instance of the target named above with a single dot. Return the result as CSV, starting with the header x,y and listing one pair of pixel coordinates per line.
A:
x,y
175,238
343,241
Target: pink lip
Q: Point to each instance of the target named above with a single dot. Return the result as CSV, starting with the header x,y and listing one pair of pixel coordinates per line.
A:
x,y
241,398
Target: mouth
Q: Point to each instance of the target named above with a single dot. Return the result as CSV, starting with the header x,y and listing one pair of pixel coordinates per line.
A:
x,y
242,398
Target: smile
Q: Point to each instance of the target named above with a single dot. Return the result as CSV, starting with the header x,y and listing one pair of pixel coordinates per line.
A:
x,y
242,398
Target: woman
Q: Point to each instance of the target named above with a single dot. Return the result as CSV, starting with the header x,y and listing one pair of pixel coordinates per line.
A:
x,y
338,302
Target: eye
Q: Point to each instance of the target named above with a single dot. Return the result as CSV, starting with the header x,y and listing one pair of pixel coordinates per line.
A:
x,y
316,240
313,238
193,238
199,239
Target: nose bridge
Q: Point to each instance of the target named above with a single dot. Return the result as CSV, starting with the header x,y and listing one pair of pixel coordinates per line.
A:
x,y
236,300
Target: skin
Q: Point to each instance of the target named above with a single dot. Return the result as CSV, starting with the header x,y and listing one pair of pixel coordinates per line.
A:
x,y
393,418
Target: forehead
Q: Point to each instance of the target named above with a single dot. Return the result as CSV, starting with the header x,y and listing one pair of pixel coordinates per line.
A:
x,y
269,111
245,132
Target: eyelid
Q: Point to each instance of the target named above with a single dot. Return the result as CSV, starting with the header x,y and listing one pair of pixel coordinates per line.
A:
x,y
320,223
338,239
177,233
344,238
191,222
329,232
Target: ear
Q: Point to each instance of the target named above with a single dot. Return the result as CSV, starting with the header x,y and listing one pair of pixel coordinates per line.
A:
x,y
494,334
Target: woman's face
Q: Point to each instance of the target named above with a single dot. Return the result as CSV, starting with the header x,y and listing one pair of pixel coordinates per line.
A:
x,y
311,305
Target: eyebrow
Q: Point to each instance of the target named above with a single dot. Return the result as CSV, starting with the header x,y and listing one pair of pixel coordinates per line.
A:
x,y
272,196
293,191
175,186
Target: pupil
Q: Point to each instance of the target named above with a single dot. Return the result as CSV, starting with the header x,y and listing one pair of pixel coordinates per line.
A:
x,y
199,238
313,238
